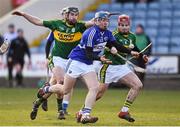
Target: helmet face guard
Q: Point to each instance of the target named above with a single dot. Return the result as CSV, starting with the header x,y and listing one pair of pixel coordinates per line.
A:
x,y
102,15
102,19
124,23
72,15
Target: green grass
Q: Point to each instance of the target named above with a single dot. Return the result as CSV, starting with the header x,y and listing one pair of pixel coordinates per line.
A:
x,y
150,108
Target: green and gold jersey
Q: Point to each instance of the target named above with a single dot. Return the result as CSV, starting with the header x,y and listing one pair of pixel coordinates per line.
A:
x,y
127,40
66,36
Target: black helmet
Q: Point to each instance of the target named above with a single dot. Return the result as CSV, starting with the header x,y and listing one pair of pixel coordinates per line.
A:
x,y
72,9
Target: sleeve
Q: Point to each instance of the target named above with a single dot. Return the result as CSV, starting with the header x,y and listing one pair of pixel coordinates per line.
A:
x,y
50,40
148,51
90,55
89,44
50,24
82,26
111,37
90,38
112,42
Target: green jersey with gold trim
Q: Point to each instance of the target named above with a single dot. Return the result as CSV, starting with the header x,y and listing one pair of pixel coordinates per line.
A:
x,y
66,36
127,40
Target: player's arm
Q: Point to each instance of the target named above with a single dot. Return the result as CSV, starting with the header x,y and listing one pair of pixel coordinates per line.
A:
x,y
49,43
34,20
27,49
149,50
91,56
89,23
121,48
89,48
113,43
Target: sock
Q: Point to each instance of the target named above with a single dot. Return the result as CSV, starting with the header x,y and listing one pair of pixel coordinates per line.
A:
x,y
59,104
127,105
86,111
38,102
65,105
46,89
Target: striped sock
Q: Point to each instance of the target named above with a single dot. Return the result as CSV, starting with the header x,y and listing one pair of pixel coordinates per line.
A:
x,y
127,105
65,105
46,89
86,111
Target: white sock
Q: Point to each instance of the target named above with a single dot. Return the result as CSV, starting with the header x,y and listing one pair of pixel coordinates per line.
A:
x,y
124,109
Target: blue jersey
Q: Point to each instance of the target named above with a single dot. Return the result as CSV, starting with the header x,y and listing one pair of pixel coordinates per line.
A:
x,y
93,37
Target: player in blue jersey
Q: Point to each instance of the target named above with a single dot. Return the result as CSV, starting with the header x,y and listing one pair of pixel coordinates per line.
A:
x,y
81,59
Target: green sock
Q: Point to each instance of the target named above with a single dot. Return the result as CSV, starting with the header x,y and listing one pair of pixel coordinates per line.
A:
x,y
38,102
59,104
127,104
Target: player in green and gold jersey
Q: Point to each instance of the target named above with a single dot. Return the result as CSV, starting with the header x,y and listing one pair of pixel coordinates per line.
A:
x,y
118,71
67,34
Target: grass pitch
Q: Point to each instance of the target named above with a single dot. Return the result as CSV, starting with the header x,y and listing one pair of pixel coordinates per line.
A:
x,y
150,108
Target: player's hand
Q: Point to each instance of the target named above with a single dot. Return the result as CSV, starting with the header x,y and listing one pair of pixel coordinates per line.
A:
x,y
114,50
145,58
135,54
18,13
105,60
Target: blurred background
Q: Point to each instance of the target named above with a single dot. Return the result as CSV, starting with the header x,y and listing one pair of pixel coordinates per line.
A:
x,y
160,19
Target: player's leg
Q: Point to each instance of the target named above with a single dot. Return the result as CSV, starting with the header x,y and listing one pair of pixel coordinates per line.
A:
x,y
45,103
92,84
101,90
141,76
58,74
66,100
46,91
135,85
18,67
104,79
10,69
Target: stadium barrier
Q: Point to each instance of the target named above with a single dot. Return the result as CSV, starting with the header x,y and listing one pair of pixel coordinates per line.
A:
x,y
162,69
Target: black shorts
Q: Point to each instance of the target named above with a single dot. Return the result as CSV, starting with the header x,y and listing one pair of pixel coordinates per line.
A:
x,y
21,62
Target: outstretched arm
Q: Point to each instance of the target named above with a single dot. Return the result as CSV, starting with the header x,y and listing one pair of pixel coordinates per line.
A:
x,y
34,20
89,23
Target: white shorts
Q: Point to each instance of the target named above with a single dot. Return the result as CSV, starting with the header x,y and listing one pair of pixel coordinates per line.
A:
x,y
76,68
60,62
97,65
112,73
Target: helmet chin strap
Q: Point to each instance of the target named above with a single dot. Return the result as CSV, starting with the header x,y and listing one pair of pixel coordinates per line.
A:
x,y
71,22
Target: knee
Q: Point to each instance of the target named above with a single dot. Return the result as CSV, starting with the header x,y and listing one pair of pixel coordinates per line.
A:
x,y
138,85
66,91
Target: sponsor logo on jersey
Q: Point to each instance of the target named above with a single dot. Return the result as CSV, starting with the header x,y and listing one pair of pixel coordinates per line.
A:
x,y
67,37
